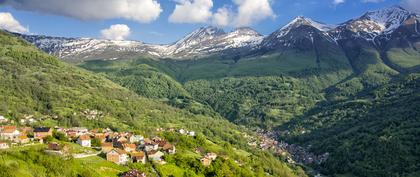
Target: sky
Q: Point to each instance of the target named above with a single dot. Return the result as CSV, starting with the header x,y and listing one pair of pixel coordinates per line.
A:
x,y
165,21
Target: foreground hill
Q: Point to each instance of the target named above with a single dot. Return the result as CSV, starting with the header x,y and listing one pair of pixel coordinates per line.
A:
x,y
55,93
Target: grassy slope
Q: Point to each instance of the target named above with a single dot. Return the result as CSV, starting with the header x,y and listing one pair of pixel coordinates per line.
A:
x,y
32,161
405,58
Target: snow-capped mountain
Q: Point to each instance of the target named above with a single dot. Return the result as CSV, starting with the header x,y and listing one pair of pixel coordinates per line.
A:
x,y
204,41
193,41
211,40
301,32
83,48
374,23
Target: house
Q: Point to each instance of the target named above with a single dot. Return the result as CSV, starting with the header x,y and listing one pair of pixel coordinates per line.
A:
x,y
152,146
156,139
211,156
106,147
182,131
129,147
136,138
161,143
205,161
42,132
84,141
100,136
3,119
208,158
138,157
122,139
133,173
117,156
191,133
53,146
80,130
3,145
155,155
169,148
26,130
9,132
71,134
22,139
118,141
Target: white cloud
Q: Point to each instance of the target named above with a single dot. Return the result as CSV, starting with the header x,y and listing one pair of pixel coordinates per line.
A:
x,y
222,17
251,11
192,11
9,23
412,5
116,32
200,11
143,11
338,2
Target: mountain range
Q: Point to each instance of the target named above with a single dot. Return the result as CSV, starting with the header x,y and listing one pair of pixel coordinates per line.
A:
x,y
376,28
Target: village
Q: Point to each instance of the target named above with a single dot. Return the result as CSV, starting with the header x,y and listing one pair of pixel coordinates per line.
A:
x,y
117,147
293,153
128,147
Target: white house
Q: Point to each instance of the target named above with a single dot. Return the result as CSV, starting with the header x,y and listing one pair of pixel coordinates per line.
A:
x,y
191,133
4,145
3,119
136,138
151,147
117,156
155,155
182,131
84,141
9,132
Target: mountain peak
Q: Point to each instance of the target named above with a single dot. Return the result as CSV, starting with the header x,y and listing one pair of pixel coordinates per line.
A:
x,y
386,19
303,21
209,30
246,31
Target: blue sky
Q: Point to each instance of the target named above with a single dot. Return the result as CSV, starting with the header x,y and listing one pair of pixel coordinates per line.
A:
x,y
161,30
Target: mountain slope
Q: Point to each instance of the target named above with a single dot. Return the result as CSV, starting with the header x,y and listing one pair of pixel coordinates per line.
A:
x,y
368,133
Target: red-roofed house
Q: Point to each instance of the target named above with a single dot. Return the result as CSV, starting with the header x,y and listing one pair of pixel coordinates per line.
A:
x,y
9,132
129,147
84,141
117,156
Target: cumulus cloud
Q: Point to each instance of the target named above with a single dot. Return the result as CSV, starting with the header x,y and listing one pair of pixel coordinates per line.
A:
x,y
143,11
116,32
251,11
222,17
338,2
412,5
246,12
192,11
9,23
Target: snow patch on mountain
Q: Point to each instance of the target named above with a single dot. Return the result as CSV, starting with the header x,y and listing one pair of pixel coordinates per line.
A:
x,y
300,21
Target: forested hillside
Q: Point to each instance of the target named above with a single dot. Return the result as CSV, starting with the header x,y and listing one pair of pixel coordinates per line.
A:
x,y
373,134
56,93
